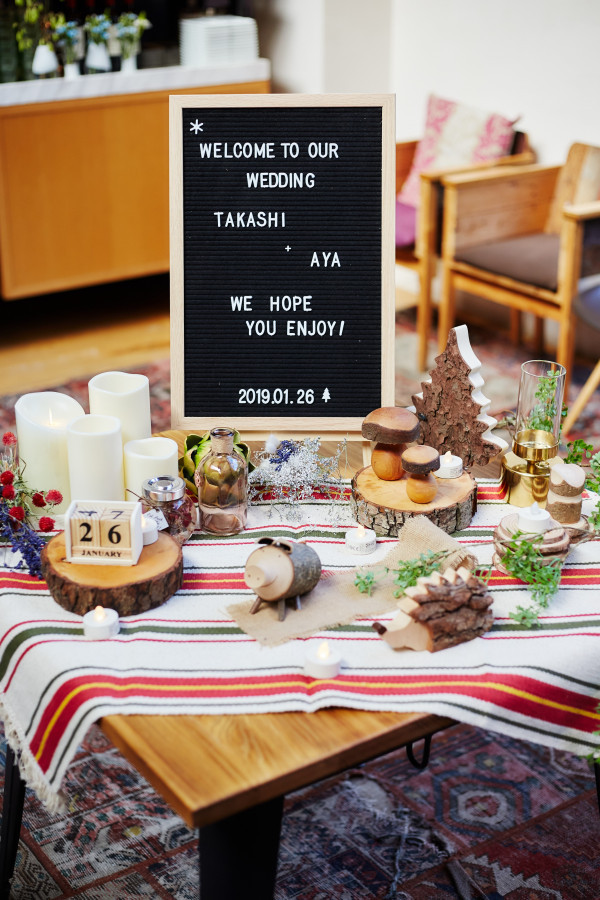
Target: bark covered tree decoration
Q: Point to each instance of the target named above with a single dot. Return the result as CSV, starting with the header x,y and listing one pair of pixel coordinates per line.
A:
x,y
452,409
440,611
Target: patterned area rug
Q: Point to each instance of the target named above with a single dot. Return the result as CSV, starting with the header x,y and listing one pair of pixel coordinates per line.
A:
x,y
508,819
490,817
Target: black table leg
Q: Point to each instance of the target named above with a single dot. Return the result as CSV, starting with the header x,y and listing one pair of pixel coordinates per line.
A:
x,y
597,774
10,826
238,855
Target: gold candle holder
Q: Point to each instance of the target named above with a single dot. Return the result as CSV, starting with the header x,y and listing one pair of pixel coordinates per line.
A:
x,y
526,468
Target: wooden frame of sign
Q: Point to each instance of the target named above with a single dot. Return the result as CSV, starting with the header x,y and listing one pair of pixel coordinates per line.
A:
x,y
282,262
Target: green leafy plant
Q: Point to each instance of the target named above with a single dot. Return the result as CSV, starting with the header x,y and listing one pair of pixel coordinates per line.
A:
x,y
405,574
593,484
130,27
522,558
544,412
578,450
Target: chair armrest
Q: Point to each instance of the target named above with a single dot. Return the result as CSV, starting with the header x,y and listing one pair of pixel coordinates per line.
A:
x,y
405,151
582,211
500,203
500,173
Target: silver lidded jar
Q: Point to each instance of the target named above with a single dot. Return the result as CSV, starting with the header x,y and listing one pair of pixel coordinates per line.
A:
x,y
167,494
222,481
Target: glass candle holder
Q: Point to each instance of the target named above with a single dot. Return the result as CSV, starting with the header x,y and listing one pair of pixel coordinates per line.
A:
x,y
539,408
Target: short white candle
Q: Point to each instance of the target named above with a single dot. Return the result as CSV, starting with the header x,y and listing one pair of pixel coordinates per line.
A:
x,y
322,661
126,396
361,540
149,530
100,624
42,421
533,520
450,466
147,458
95,458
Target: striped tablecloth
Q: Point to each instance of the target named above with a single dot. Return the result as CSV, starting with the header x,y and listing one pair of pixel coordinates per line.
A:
x,y
189,657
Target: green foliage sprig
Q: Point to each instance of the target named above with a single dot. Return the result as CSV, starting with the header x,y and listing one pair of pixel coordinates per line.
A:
x,y
592,482
406,573
522,558
543,414
577,450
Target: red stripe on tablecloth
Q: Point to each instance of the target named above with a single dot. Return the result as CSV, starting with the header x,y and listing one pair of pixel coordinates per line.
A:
x,y
527,696
12,579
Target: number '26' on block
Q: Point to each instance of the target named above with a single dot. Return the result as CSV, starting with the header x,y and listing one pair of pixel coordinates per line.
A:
x,y
107,533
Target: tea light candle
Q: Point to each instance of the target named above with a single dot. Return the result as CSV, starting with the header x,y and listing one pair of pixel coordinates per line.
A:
x,y
534,520
450,466
146,458
361,540
100,624
42,420
322,661
126,396
149,530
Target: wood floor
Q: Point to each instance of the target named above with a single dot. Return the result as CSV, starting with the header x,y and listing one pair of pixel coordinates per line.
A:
x,y
45,341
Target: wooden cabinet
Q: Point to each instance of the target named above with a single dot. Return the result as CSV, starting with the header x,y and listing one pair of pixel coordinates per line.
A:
x,y
84,189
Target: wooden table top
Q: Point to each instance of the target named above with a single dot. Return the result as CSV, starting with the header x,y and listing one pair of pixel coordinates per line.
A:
x,y
210,767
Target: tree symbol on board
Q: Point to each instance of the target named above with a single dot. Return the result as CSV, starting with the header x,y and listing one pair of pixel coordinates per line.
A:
x,y
452,409
326,395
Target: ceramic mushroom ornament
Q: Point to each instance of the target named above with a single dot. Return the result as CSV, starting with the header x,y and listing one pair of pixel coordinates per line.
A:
x,y
391,427
419,462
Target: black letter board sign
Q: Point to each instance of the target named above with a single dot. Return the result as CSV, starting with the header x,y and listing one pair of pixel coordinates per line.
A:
x,y
282,281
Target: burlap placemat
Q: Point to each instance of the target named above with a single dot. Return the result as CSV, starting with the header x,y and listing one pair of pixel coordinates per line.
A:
x,y
336,601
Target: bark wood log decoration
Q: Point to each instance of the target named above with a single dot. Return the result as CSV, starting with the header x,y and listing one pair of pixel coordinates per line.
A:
x,y
128,589
451,408
440,611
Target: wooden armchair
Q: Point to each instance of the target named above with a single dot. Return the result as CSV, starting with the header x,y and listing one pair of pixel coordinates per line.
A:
x,y
523,237
423,254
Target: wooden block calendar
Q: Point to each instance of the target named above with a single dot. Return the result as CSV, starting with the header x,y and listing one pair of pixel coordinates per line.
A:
x,y
104,533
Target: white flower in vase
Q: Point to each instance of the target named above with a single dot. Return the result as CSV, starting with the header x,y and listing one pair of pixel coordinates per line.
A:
x,y
97,58
129,31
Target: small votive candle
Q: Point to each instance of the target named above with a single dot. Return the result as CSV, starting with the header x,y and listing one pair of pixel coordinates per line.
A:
x,y
450,466
149,530
361,540
533,519
100,624
322,661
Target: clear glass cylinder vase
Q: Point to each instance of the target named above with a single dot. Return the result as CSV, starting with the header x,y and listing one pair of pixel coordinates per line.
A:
x,y
539,410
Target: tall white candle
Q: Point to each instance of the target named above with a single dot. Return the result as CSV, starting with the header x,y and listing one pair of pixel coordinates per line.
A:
x,y
42,421
147,458
95,458
126,396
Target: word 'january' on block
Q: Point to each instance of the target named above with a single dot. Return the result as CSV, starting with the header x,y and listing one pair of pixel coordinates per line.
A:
x,y
107,533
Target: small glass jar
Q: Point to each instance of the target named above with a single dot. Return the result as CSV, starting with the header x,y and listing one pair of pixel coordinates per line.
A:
x,y
167,494
222,481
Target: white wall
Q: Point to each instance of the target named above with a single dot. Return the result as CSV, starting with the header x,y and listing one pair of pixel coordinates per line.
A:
x,y
537,59
533,58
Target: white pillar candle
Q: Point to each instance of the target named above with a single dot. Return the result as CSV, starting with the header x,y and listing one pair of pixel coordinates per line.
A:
x,y
148,458
95,458
361,540
450,466
533,519
42,421
100,624
322,661
149,530
126,396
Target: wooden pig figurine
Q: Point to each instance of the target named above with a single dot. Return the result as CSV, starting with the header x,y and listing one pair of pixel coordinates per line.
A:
x,y
564,494
279,570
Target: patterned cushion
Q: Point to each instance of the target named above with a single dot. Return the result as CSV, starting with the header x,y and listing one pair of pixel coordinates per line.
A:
x,y
456,135
406,224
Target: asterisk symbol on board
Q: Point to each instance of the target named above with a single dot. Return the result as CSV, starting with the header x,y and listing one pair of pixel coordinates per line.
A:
x,y
196,126
288,248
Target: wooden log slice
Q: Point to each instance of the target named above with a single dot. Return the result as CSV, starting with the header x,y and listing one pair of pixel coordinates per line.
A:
x,y
555,544
385,506
128,589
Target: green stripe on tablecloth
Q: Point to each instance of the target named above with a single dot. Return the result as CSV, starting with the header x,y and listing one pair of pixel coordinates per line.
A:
x,y
15,642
